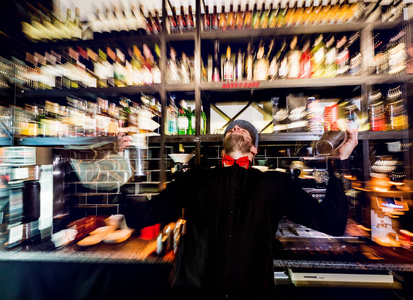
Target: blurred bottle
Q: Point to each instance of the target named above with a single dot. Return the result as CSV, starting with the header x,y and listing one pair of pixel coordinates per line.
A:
x,y
173,73
239,68
214,19
343,56
173,21
222,19
206,19
228,66
190,19
182,20
231,18
247,18
249,60
306,66
396,110
294,56
261,65
216,71
255,21
239,20
203,121
331,58
172,118
318,56
376,111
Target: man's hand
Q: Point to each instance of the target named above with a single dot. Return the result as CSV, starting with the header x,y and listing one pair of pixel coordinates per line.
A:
x,y
349,144
124,141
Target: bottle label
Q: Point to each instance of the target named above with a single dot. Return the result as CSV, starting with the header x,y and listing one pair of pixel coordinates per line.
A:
x,y
183,123
228,72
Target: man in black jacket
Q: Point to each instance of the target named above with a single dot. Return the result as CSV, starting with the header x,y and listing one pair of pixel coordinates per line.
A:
x,y
232,214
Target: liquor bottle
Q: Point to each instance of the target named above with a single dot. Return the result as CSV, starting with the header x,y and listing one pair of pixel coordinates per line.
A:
x,y
290,15
190,19
281,18
294,57
173,74
223,19
173,21
112,22
109,64
255,21
377,111
306,66
239,20
206,19
396,110
203,121
298,14
182,20
325,13
283,61
231,18
156,71
249,60
172,117
216,77
239,68
272,17
214,19
331,58
119,69
264,17
156,24
318,55
247,18
148,25
343,56
184,119
228,67
261,65
185,69
306,18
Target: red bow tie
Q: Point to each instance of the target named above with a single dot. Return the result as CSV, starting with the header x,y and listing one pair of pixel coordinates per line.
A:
x,y
228,161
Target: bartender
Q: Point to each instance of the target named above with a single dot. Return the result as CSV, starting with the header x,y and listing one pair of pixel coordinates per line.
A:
x,y
232,213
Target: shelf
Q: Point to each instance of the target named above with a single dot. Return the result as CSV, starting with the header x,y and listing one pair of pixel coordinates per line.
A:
x,y
63,141
114,40
186,36
282,83
245,33
180,87
284,137
155,88
384,135
4,141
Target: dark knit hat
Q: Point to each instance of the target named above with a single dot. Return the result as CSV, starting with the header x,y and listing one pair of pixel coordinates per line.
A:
x,y
247,126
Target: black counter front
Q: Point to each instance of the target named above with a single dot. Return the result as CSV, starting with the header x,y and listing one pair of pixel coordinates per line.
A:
x,y
118,271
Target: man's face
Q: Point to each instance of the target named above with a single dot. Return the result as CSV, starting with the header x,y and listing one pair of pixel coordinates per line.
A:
x,y
238,139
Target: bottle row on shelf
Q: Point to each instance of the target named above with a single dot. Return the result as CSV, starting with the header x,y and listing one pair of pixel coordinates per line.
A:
x,y
181,120
84,67
42,24
81,118
305,57
299,113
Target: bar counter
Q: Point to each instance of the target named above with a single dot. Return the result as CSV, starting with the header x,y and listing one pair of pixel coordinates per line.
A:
x,y
115,271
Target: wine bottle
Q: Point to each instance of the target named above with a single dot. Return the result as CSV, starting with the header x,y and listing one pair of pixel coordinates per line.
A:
x,y
264,17
247,18
190,19
239,21
249,60
228,67
255,22
214,19
239,68
217,63
223,19
182,20
318,54
294,56
231,18
206,20
261,65
173,22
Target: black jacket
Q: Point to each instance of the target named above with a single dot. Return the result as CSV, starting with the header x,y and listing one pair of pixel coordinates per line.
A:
x,y
232,216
